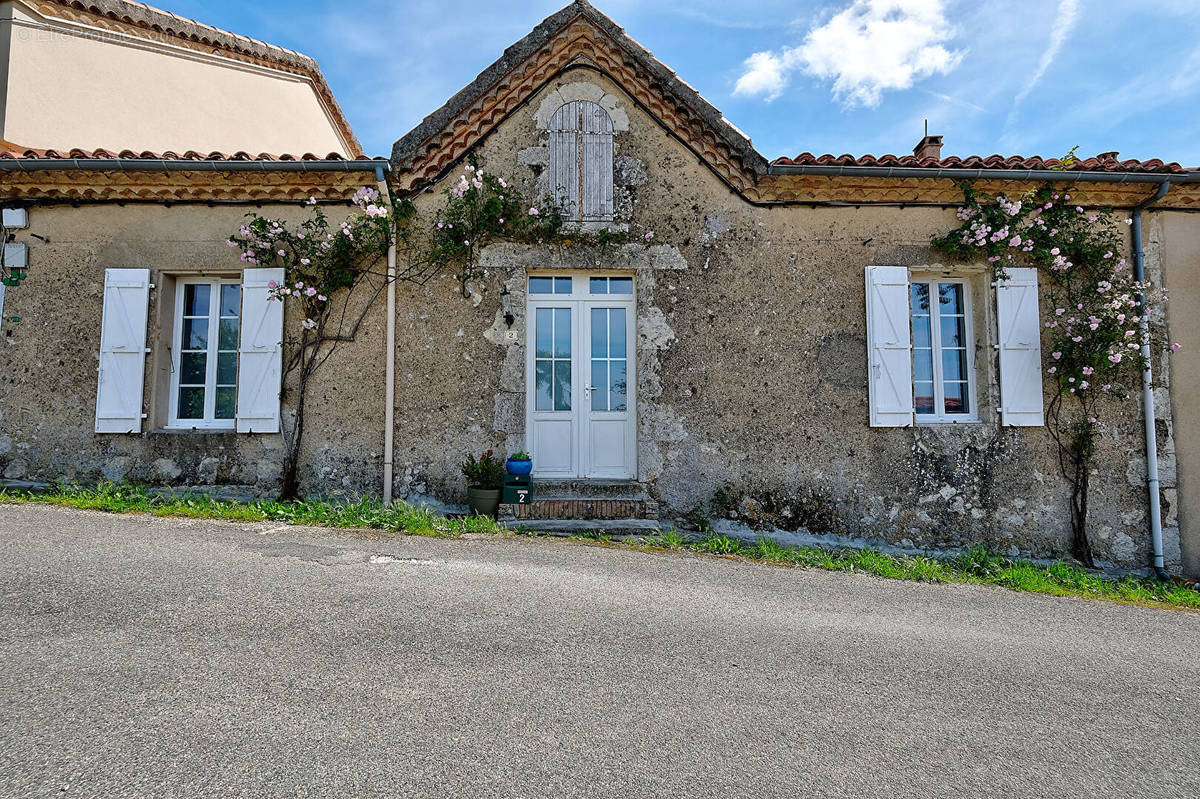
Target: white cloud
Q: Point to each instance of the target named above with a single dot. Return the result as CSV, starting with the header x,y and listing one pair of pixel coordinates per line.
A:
x,y
868,48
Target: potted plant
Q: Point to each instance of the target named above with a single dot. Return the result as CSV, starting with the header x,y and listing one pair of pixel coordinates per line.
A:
x,y
485,478
519,463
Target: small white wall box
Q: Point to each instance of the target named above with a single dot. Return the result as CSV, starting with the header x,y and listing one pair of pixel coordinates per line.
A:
x,y
16,255
15,217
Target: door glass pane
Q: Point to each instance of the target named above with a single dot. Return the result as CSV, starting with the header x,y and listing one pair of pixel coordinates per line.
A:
x,y
616,332
598,285
562,285
599,333
600,385
195,299
543,332
195,334
226,402
541,285
231,299
562,333
191,402
544,391
620,285
562,385
616,385
193,367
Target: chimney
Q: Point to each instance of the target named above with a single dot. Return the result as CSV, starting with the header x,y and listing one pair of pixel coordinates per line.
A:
x,y
929,147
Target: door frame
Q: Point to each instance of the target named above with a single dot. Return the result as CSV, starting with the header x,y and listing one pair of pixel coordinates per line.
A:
x,y
580,301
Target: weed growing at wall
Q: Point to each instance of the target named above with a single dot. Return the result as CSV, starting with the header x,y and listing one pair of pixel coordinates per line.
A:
x,y
1098,338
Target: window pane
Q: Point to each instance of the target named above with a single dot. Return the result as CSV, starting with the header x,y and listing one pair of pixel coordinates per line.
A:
x,y
226,402
195,334
923,396
616,333
956,398
599,333
920,323
191,402
950,297
562,332
922,364
228,336
543,331
952,331
562,385
617,385
193,367
541,285
544,392
620,285
195,299
954,365
920,298
231,299
562,285
598,285
226,369
600,384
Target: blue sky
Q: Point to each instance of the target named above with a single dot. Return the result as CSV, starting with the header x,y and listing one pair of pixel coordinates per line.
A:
x,y
1027,77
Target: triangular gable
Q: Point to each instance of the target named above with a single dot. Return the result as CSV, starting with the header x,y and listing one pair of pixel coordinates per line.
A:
x,y
578,34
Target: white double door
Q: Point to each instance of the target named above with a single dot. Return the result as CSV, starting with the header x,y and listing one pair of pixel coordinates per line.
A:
x,y
581,404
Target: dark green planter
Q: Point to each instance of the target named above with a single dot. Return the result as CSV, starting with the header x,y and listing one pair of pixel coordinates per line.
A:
x,y
484,501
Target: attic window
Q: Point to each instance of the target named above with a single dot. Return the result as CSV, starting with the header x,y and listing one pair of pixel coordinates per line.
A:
x,y
581,161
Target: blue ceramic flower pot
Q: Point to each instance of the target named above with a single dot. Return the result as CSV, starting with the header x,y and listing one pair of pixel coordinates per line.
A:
x,y
518,468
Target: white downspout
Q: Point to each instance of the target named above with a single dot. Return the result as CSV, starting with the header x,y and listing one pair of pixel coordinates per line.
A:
x,y
389,359
1148,414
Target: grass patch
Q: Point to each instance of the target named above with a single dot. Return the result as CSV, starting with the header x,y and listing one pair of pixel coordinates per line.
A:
x,y
976,566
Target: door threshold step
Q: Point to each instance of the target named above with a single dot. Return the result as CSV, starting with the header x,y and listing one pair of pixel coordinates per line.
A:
x,y
569,527
559,488
581,508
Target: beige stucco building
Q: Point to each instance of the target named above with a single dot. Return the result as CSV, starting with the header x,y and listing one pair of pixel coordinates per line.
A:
x,y
125,76
730,369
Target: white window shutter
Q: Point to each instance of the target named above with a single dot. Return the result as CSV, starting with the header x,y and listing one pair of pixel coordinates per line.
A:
x,y
260,361
1020,333
122,351
889,346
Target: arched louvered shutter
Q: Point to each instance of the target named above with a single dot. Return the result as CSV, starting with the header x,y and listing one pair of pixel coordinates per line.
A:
x,y
581,161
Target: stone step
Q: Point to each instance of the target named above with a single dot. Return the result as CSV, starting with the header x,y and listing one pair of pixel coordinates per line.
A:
x,y
580,508
618,528
589,489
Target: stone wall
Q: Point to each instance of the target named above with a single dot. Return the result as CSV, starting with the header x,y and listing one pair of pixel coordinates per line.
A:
x,y
48,362
752,368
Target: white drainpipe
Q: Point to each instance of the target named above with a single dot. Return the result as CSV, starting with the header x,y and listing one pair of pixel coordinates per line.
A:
x,y
1148,414
389,392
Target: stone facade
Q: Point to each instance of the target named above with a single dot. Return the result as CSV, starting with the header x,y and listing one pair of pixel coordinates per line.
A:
x,y
751,352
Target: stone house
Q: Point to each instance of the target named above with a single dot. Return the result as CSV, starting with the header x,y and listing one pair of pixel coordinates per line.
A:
x,y
762,360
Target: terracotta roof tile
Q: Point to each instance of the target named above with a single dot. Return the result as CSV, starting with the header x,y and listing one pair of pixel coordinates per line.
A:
x,y
10,151
1105,162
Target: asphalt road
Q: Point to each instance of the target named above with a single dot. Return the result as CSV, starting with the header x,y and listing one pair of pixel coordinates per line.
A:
x,y
154,657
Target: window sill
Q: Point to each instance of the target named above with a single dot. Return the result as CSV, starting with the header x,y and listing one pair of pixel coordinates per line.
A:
x,y
946,422
189,431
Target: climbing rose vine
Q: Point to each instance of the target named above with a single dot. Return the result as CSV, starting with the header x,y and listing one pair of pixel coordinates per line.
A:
x,y
1094,335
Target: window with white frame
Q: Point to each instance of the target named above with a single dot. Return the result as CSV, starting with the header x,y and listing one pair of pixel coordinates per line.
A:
x,y
942,351
207,332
